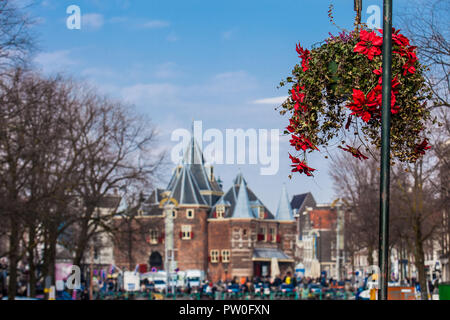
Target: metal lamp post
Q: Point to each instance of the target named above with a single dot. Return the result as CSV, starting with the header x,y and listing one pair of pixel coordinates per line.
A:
x,y
385,149
383,258
169,242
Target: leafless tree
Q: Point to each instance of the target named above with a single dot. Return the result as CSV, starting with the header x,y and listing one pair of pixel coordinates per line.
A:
x,y
30,142
427,25
16,41
356,183
121,156
420,209
64,150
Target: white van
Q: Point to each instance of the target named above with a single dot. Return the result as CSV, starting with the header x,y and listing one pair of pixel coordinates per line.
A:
x,y
195,278
131,281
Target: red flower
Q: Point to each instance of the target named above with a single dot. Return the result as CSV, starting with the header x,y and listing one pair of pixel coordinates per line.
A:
x,y
292,125
304,54
404,49
302,143
298,97
409,66
395,84
361,106
378,71
300,166
369,44
412,59
397,37
355,152
376,97
422,147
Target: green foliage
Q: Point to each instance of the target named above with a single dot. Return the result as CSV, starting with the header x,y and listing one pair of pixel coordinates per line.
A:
x,y
333,71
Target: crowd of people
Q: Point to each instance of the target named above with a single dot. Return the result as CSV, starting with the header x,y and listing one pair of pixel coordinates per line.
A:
x,y
262,287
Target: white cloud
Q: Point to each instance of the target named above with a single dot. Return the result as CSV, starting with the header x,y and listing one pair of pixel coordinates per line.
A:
x,y
99,72
92,20
56,61
275,100
221,88
150,94
155,24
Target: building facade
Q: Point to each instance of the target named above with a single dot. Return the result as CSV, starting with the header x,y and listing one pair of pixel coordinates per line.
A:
x,y
225,234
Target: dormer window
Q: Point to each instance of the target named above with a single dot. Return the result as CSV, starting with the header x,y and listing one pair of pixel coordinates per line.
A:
x,y
220,211
261,212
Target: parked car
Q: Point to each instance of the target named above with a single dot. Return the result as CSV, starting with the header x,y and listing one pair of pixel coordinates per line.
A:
x,y
160,285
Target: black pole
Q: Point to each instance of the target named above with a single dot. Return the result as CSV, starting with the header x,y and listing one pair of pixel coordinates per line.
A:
x,y
385,149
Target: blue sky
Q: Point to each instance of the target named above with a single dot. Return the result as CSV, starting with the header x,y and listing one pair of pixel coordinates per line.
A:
x,y
215,61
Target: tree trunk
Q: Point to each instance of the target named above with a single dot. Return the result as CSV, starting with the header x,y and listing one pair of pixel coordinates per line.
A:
x,y
83,238
32,271
370,255
53,237
81,243
419,258
130,245
13,257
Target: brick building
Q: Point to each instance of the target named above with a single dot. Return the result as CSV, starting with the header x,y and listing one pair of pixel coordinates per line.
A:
x,y
321,241
231,234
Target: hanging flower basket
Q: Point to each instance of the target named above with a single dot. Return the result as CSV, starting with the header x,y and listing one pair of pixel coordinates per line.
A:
x,y
336,94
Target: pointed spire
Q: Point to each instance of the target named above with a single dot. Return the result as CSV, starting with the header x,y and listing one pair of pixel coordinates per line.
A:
x,y
193,153
284,211
185,189
239,178
242,208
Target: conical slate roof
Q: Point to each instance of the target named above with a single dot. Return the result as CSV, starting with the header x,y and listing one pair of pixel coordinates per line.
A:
x,y
193,153
230,198
185,189
193,160
193,156
284,211
242,208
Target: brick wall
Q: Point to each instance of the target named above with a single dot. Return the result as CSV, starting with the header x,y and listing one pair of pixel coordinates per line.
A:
x,y
219,238
191,254
238,236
